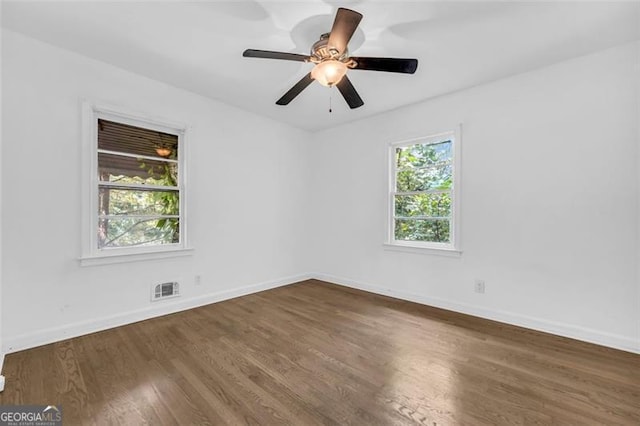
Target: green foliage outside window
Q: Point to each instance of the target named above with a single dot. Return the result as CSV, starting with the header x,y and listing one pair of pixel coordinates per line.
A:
x,y
129,230
169,201
423,192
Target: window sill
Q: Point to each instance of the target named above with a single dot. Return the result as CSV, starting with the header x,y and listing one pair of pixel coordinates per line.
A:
x,y
107,259
448,252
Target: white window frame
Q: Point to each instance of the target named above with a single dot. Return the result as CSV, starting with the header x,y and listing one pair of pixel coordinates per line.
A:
x,y
91,254
453,247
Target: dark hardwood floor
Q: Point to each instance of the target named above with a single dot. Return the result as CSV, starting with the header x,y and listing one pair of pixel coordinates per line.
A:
x,y
315,353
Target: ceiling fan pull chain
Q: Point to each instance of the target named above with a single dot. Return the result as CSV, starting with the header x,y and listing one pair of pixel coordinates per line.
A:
x,y
330,110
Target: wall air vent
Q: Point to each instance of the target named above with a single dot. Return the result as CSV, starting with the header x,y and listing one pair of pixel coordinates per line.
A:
x,y
165,291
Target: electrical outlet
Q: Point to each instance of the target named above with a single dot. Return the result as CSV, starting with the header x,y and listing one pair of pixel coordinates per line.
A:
x,y
479,286
197,280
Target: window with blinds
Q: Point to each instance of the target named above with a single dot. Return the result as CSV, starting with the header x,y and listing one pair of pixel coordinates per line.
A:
x,y
138,186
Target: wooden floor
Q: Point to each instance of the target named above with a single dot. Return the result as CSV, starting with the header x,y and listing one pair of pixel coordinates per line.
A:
x,y
315,353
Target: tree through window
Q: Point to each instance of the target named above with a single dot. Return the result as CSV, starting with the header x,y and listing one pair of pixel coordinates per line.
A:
x,y
138,190
422,192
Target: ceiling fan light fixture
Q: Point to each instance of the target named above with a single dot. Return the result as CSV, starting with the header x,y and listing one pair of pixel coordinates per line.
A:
x,y
329,72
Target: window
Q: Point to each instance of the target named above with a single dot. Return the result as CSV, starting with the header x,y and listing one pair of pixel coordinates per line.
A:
x,y
136,195
423,192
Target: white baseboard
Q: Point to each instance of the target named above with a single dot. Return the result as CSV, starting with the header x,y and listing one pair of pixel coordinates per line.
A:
x,y
56,334
566,330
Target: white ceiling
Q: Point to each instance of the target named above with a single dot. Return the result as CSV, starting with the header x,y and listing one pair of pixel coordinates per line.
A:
x,y
198,45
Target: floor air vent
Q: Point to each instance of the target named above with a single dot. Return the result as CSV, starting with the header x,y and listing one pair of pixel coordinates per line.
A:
x,y
165,291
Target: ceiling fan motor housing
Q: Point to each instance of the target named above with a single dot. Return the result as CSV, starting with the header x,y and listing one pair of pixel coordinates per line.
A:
x,y
321,51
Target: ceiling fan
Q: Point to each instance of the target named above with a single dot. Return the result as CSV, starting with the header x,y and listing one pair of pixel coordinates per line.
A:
x,y
332,61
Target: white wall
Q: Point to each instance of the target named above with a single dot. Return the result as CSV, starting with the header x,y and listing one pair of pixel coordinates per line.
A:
x,y
549,200
637,67
1,319
246,176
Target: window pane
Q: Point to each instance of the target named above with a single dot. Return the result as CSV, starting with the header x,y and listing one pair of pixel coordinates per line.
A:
x,y
130,231
436,231
420,155
116,168
140,202
136,140
431,205
436,177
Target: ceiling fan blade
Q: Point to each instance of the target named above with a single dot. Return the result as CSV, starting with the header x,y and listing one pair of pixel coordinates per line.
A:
x,y
349,93
268,54
344,26
295,90
407,66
